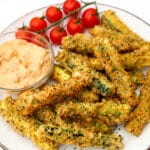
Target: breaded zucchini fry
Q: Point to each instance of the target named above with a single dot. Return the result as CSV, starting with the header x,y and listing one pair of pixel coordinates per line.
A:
x,y
46,115
141,115
60,74
79,43
73,62
31,100
80,136
94,125
27,126
121,42
112,141
114,113
102,85
70,135
136,76
95,63
109,112
112,21
137,59
85,95
114,68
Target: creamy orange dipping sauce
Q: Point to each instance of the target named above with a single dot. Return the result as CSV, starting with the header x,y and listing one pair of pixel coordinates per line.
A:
x,y
22,64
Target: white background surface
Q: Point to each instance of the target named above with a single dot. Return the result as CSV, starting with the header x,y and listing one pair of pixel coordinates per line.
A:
x,y
10,10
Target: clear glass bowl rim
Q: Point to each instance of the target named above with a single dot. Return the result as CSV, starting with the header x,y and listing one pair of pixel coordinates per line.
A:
x,y
39,82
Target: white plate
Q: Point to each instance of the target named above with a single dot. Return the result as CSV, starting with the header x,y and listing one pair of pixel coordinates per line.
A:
x,y
14,141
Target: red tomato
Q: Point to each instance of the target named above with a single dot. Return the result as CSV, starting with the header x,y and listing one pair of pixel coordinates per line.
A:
x,y
90,17
53,14
37,24
23,33
56,34
75,25
71,5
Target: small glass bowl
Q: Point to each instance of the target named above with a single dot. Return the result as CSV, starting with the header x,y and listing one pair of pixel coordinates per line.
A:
x,y
38,40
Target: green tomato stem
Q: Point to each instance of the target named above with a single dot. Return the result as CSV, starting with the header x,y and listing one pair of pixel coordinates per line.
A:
x,y
83,2
68,15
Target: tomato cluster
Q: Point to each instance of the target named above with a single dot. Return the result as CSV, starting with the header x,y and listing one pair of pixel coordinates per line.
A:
x,y
54,17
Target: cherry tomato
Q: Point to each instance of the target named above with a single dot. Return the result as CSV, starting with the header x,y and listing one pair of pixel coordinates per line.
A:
x,y
53,14
23,33
71,5
90,17
75,25
56,34
37,24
